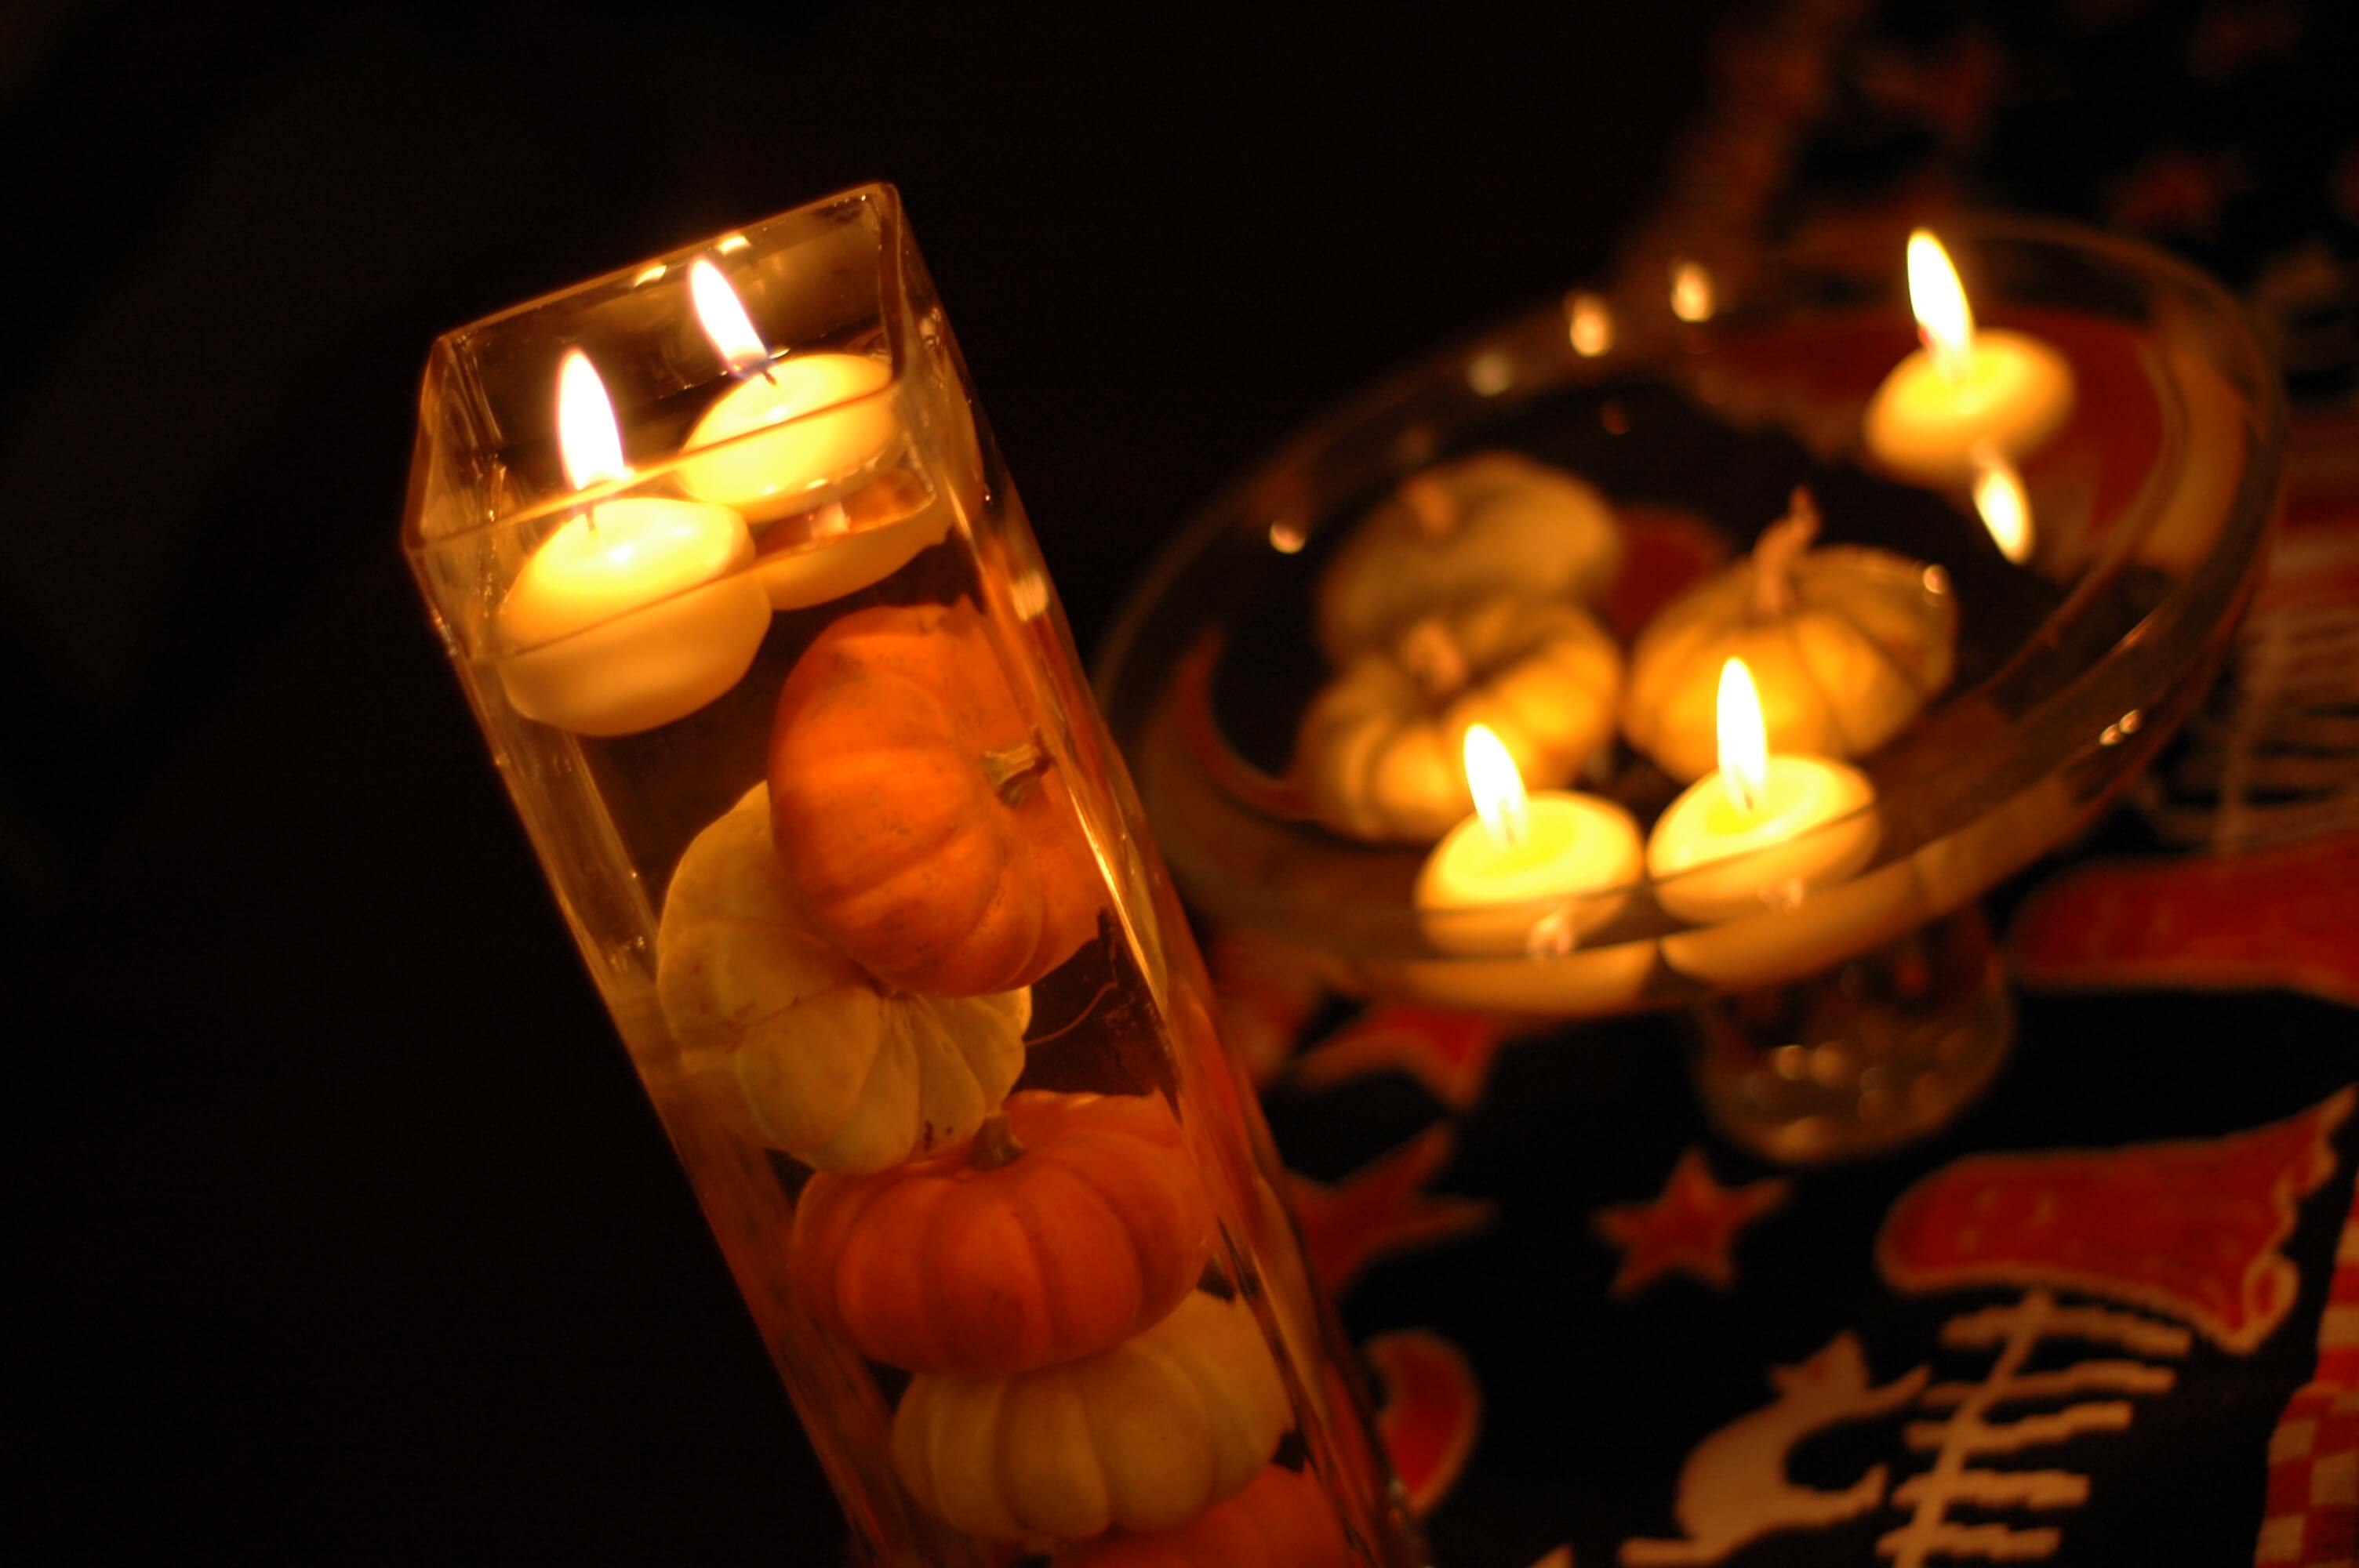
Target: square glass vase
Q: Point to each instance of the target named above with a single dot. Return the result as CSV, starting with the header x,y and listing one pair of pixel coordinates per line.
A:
x,y
751,617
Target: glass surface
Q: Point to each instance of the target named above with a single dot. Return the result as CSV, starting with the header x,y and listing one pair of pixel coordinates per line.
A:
x,y
2150,505
787,702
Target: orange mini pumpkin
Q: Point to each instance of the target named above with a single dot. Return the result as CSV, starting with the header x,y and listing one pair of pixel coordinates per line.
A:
x,y
1282,1520
924,829
1068,1224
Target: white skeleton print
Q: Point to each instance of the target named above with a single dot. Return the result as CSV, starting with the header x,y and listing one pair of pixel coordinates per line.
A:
x,y
1733,1488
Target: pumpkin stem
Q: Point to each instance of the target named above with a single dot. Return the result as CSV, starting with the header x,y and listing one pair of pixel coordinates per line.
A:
x,y
1010,769
995,1144
1774,553
1430,507
1434,660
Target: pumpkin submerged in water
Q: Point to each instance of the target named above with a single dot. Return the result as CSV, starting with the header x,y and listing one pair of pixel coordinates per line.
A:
x,y
1067,1225
1379,751
824,1064
1846,644
1282,1520
924,831
1144,1436
1488,523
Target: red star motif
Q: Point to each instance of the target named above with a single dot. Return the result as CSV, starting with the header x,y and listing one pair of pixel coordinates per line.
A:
x,y
1688,1229
1381,1208
1450,1052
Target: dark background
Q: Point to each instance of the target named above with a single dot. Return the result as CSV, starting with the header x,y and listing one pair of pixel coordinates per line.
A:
x,y
351,1234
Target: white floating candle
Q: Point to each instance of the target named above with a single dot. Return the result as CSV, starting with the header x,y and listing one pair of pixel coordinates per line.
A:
x,y
1762,831
1965,387
637,610
1575,851
794,425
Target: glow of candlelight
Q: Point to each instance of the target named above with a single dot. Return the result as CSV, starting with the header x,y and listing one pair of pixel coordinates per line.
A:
x,y
1743,737
588,442
2000,499
1498,787
1938,300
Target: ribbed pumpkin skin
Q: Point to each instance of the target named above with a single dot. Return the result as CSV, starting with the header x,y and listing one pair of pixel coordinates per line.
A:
x,y
1862,649
1382,760
899,846
1282,1520
795,1043
1087,1238
1144,1436
1487,524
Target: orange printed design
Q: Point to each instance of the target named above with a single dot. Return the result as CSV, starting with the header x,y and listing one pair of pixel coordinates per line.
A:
x,y
1450,1052
1689,1229
1267,991
1382,1208
1431,1413
2312,1516
2275,918
2189,1230
1665,551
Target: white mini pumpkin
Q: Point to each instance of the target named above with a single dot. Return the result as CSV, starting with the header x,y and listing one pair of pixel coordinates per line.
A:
x,y
1379,751
1488,523
1144,1436
823,1062
1846,645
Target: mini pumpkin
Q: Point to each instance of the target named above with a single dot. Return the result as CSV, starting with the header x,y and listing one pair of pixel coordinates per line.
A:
x,y
826,1066
1143,1436
1379,749
1846,645
1282,1520
924,828
1488,523
1068,1223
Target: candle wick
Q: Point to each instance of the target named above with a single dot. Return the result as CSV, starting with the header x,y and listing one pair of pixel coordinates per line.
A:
x,y
1741,791
1948,359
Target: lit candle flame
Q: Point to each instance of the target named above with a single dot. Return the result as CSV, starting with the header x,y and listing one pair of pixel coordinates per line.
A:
x,y
1744,740
588,442
1589,325
722,316
1944,321
1691,291
1999,497
1498,787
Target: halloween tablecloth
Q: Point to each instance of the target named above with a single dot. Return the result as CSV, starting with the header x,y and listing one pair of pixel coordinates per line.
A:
x,y
2111,1314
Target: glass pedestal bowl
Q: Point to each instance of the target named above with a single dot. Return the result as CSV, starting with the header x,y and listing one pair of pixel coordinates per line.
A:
x,y
1841,1013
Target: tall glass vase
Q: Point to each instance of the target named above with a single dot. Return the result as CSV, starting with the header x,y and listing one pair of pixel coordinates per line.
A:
x,y
752,619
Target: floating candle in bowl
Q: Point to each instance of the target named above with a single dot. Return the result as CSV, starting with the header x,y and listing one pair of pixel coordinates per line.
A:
x,y
1763,830
1963,387
794,429
637,611
1575,850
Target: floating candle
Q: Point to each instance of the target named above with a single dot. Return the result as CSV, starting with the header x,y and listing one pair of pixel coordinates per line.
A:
x,y
794,429
1963,387
1576,851
637,611
1763,830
